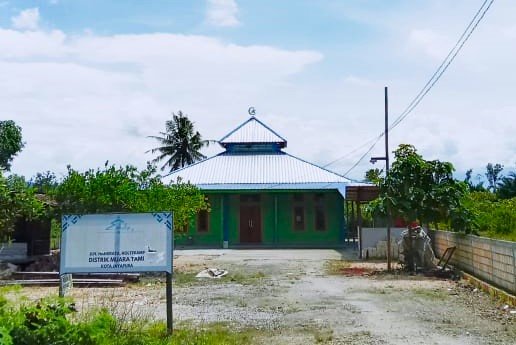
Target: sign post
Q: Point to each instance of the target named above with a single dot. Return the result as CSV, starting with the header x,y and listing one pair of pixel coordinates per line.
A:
x,y
117,243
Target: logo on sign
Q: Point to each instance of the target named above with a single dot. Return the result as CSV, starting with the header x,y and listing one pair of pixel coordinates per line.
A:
x,y
119,225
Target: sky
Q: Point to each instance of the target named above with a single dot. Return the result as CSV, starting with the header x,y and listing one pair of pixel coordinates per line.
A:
x,y
89,80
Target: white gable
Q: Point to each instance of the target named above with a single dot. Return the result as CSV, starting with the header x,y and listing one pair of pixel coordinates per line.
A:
x,y
252,131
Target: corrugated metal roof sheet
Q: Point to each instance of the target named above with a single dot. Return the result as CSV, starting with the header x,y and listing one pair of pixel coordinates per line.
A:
x,y
252,131
256,169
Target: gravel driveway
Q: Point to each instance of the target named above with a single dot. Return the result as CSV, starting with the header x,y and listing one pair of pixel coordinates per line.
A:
x,y
294,297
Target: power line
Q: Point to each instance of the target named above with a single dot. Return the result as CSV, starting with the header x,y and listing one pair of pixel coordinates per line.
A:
x,y
477,18
350,152
446,63
363,156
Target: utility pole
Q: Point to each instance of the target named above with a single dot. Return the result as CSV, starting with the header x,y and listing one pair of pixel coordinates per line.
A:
x,y
387,173
386,159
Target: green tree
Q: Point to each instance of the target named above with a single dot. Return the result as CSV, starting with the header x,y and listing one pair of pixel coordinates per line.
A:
x,y
374,175
125,189
478,187
10,143
424,191
17,201
180,144
493,174
44,182
507,186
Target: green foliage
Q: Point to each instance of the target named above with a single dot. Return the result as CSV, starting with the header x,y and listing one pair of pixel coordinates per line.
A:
x,y
374,176
44,183
416,189
493,176
52,322
494,218
478,187
507,187
17,201
125,189
180,143
10,143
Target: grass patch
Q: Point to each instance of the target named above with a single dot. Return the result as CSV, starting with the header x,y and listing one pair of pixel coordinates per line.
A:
x,y
323,336
334,267
188,278
511,236
429,294
184,278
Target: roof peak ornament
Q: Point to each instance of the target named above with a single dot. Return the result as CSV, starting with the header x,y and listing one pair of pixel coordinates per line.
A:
x,y
251,111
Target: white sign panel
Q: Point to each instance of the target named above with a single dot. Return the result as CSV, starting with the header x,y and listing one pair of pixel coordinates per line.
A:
x,y
116,243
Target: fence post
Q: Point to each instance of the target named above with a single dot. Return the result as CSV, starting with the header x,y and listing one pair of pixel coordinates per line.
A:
x,y
514,266
492,261
472,256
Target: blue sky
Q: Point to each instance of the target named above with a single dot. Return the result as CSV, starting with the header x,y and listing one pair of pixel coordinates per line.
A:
x,y
89,80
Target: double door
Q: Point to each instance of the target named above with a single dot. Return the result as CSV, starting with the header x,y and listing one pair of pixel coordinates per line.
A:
x,y
250,219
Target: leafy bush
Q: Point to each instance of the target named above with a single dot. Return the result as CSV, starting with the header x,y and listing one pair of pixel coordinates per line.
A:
x,y
125,189
50,322
493,217
17,200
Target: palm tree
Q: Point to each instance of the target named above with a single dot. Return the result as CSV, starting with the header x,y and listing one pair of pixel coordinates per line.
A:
x,y
180,143
507,187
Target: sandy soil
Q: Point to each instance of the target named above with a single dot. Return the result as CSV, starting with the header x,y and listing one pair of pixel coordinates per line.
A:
x,y
297,297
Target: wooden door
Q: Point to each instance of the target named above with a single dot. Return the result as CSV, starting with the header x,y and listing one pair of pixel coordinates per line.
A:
x,y
250,221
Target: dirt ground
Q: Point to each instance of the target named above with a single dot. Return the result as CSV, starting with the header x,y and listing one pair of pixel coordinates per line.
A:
x,y
310,297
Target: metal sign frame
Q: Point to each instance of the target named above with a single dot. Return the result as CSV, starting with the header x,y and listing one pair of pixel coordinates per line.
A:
x,y
117,228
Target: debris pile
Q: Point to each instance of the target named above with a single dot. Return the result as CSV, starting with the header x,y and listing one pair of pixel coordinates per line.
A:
x,y
45,263
7,269
212,273
416,252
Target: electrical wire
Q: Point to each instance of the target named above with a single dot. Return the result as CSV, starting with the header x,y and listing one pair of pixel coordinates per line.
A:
x,y
350,152
473,24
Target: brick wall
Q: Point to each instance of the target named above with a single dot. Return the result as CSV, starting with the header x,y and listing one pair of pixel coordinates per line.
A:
x,y
491,260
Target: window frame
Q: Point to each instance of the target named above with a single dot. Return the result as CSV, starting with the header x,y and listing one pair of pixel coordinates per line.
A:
x,y
320,205
298,203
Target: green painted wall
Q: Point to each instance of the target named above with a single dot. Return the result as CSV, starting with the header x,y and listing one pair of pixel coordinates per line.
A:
x,y
277,227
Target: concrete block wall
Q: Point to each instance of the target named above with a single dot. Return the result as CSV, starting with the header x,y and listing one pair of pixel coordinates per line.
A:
x,y
374,242
491,260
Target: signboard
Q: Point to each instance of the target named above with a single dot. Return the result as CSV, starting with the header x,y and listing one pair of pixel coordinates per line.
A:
x,y
117,243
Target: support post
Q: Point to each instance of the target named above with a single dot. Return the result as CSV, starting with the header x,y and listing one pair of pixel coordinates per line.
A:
x,y
225,221
170,328
359,223
275,219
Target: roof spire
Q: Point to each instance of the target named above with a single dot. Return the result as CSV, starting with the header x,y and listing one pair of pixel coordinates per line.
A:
x,y
251,111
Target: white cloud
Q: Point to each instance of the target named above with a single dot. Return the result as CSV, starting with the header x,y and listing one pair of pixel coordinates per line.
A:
x,y
222,13
27,19
86,98
431,43
82,100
